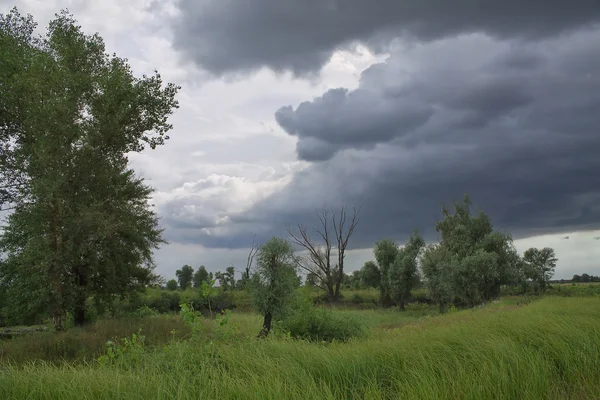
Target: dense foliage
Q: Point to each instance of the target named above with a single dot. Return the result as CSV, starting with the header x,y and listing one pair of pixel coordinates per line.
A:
x,y
81,224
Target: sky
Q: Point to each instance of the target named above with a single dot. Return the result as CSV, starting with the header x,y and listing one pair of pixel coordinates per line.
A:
x,y
398,106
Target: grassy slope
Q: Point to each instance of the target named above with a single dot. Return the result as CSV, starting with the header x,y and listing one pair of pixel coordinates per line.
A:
x,y
548,349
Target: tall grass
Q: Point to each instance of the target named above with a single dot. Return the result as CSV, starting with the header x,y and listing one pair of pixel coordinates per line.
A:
x,y
549,349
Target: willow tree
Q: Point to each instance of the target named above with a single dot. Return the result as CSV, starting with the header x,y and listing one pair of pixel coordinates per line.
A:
x,y
81,226
274,280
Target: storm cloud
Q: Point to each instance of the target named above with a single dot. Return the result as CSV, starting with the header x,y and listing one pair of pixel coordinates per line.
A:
x,y
514,124
235,36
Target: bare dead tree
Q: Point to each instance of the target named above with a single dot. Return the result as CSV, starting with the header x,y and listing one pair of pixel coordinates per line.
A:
x,y
251,255
318,258
342,241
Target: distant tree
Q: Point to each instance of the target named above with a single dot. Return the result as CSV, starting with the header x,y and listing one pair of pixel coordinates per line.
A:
x,y
311,279
354,280
585,278
437,269
185,275
403,273
481,259
226,279
200,276
172,285
576,278
274,281
332,234
540,265
385,253
370,275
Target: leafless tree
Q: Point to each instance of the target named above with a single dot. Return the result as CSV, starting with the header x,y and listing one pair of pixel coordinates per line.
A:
x,y
318,259
251,255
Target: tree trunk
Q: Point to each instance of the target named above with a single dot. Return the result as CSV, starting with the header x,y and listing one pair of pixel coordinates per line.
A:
x,y
79,311
264,332
442,307
58,319
401,304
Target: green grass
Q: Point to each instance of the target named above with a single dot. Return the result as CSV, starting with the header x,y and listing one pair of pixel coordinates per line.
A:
x,y
548,349
78,344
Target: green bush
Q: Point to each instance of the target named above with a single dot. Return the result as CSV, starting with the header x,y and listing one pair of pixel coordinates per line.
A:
x,y
319,324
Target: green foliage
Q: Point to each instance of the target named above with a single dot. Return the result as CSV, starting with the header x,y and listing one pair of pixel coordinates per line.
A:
x,y
403,274
370,275
539,265
385,252
200,276
127,350
81,224
476,259
319,324
172,285
226,279
274,280
437,269
185,276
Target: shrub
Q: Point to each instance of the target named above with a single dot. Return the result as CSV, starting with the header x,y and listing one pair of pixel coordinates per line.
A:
x,y
319,324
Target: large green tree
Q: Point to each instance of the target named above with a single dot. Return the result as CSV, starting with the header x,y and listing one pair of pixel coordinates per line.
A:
x,y
81,224
480,259
274,280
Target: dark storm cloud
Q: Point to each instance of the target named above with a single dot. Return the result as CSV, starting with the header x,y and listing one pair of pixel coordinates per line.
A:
x,y
514,125
226,36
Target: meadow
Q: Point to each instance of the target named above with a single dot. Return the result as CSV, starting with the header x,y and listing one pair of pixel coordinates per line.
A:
x,y
512,348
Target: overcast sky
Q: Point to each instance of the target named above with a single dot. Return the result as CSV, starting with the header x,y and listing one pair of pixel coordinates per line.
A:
x,y
396,105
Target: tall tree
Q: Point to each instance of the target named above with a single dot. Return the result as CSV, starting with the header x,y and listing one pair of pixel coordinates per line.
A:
x,y
200,276
185,276
274,281
385,252
334,233
81,224
403,274
540,265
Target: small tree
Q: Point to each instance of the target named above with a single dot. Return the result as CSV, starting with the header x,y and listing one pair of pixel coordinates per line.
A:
x,y
370,275
185,276
200,276
385,252
335,234
436,269
274,281
172,285
539,266
403,274
227,278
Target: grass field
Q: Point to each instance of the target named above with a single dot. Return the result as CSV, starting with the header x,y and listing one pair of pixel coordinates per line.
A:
x,y
547,349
